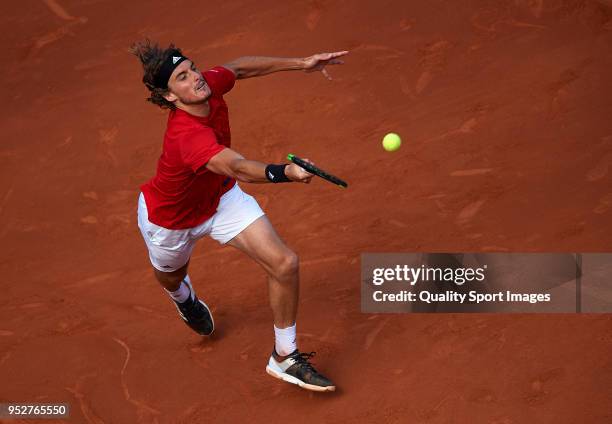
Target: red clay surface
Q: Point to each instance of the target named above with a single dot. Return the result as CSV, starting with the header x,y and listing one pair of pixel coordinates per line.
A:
x,y
504,108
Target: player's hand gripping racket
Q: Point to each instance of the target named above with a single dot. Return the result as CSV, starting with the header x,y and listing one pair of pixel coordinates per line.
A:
x,y
316,171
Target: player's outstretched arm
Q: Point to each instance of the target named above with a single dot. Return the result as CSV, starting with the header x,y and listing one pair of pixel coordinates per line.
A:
x,y
255,66
233,164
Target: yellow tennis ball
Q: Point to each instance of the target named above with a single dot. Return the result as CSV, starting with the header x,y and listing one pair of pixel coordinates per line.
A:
x,y
391,142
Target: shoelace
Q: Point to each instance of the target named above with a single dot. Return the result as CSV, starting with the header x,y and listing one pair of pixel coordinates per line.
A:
x,y
302,360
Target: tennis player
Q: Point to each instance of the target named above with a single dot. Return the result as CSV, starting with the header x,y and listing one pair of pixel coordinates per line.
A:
x,y
195,193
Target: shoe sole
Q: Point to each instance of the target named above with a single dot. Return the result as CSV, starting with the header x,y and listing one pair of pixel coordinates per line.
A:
x,y
291,379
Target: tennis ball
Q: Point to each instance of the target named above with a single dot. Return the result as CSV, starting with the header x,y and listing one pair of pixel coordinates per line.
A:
x,y
391,142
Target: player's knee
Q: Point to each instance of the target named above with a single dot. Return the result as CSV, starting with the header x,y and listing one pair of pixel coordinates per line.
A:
x,y
288,264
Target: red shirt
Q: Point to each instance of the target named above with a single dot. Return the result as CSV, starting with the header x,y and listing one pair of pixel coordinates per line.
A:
x,y
184,193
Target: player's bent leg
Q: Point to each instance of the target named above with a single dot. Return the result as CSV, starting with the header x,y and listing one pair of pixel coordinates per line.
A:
x,y
169,253
261,242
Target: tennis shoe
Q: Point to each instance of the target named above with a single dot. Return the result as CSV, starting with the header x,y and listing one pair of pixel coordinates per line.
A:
x,y
196,313
297,369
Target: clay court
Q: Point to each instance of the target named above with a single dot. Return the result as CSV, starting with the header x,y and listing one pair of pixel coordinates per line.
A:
x,y
504,109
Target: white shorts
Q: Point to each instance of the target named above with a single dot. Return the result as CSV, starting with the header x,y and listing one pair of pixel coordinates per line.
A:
x,y
169,250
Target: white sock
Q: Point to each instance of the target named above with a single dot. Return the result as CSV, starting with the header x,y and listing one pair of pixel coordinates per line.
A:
x,y
182,293
285,342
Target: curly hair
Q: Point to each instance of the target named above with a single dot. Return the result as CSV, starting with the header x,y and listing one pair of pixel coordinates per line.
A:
x,y
152,57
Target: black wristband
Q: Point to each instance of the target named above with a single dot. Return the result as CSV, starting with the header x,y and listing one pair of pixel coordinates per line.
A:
x,y
276,173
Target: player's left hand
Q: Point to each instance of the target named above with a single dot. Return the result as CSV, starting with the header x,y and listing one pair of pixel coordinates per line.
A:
x,y
318,62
